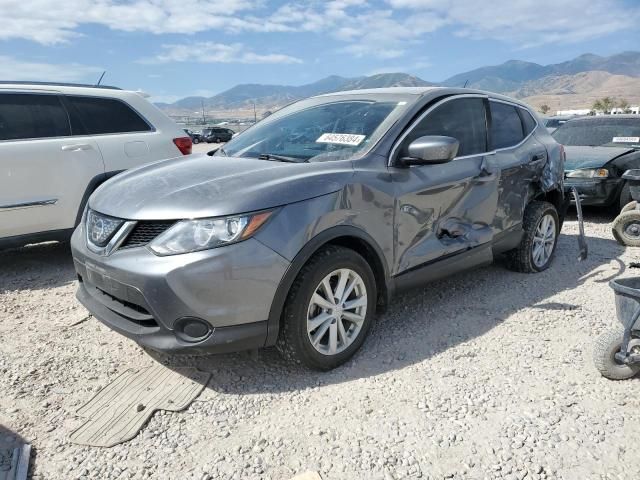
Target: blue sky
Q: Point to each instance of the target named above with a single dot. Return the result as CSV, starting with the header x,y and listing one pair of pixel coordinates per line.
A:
x,y
176,48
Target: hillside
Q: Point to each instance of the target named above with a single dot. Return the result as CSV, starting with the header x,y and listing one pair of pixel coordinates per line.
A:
x,y
571,84
578,91
513,74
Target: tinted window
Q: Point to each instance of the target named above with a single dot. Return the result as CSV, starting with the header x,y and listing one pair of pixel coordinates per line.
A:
x,y
32,116
506,126
528,121
106,115
606,131
463,119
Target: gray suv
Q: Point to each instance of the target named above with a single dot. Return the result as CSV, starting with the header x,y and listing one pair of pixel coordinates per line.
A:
x,y
298,230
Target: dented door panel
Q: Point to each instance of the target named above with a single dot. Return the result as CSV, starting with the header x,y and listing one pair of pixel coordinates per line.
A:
x,y
443,209
521,169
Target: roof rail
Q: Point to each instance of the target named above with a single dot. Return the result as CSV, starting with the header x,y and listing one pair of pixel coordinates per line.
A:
x,y
57,84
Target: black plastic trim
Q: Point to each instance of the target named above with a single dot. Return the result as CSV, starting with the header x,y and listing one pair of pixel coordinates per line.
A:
x,y
21,240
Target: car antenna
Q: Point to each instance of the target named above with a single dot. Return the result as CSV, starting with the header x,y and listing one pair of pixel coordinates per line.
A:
x,y
100,79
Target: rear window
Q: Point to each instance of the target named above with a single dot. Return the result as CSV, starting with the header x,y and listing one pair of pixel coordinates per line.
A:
x,y
527,120
107,115
506,126
25,116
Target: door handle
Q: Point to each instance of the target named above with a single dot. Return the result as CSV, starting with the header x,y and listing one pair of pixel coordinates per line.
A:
x,y
538,156
76,147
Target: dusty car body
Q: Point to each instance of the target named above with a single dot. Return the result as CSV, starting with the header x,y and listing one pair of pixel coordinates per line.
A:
x,y
595,162
345,220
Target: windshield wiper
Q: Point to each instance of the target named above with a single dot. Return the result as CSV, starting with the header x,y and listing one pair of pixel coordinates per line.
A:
x,y
280,158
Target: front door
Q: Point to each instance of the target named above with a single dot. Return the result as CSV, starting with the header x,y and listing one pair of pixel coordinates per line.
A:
x,y
44,171
446,209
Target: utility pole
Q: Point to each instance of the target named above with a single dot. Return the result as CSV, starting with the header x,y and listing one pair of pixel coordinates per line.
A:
x,y
255,117
204,120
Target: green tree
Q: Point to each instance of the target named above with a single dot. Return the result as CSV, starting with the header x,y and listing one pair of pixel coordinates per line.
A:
x,y
604,105
624,106
544,108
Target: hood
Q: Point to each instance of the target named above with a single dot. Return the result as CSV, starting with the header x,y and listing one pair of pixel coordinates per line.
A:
x,y
202,186
592,157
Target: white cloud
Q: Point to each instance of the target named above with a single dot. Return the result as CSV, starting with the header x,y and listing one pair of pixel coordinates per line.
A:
x,y
377,28
211,52
527,23
52,21
15,69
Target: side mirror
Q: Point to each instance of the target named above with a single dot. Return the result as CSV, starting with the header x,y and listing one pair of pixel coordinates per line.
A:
x,y
430,150
211,152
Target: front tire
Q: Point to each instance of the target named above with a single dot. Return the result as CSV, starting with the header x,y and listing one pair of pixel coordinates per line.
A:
x,y
329,310
196,141
537,248
604,351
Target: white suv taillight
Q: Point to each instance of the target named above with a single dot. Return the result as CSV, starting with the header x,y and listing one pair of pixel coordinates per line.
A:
x,y
184,144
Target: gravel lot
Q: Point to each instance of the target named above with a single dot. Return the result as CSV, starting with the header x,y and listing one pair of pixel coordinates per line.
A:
x,y
484,375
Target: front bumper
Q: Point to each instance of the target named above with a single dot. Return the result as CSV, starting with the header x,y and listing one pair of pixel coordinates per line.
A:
x,y
213,301
604,192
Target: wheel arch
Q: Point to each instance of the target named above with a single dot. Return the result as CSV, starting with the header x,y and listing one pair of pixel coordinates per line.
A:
x,y
558,199
345,236
94,183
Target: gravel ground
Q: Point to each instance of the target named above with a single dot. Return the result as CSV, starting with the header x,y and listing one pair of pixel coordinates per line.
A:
x,y
484,375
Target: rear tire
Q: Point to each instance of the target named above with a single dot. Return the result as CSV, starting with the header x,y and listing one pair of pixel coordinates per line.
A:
x,y
526,258
604,350
626,228
322,334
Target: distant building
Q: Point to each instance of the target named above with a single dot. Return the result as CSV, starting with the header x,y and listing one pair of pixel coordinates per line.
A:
x,y
635,110
566,113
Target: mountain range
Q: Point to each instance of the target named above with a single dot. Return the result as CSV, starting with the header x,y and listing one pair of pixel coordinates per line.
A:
x,y
568,84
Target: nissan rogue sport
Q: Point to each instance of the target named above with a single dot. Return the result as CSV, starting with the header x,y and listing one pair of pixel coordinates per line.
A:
x,y
299,229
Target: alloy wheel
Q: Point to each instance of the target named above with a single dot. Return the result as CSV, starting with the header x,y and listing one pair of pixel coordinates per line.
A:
x,y
337,311
544,240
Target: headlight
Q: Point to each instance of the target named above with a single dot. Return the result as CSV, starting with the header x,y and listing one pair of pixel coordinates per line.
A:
x,y
589,173
202,234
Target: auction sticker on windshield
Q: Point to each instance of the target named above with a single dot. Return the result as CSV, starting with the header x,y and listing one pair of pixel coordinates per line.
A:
x,y
341,138
625,140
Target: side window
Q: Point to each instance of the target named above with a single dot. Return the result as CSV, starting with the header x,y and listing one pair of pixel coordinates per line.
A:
x,y
506,126
25,116
527,120
463,119
106,115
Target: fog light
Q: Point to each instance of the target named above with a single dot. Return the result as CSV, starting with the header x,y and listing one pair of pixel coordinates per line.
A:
x,y
191,329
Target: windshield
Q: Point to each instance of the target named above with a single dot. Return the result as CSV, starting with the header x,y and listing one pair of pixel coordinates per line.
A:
x,y
608,132
337,127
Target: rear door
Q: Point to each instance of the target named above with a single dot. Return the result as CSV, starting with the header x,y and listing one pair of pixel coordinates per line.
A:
x,y
121,133
44,169
520,157
446,209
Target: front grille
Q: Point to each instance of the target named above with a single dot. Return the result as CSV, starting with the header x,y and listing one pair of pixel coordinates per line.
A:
x,y
145,231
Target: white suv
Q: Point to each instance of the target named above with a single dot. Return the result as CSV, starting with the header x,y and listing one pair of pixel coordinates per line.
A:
x,y
58,142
